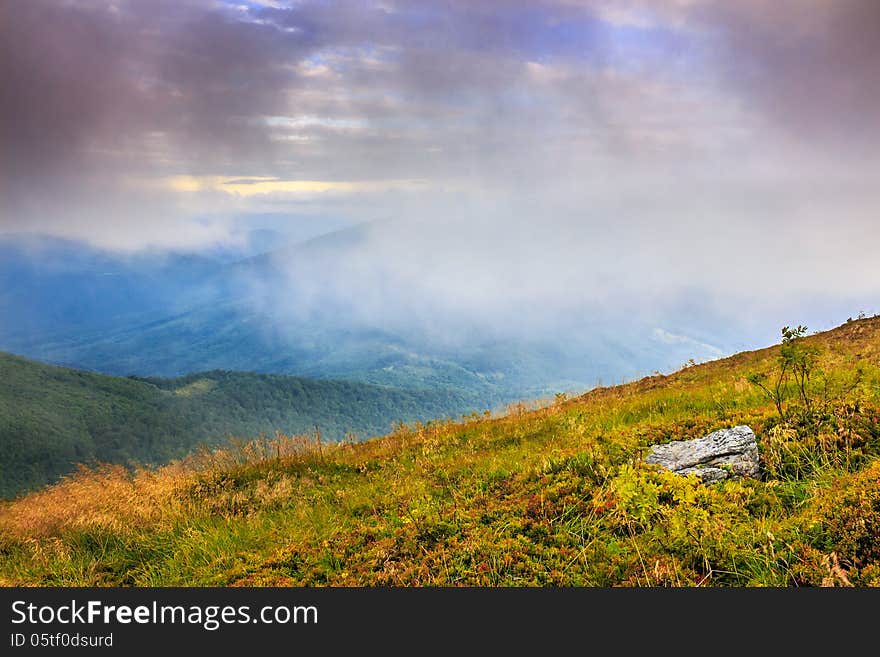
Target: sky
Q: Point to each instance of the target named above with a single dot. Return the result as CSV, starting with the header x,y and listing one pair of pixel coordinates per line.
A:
x,y
636,153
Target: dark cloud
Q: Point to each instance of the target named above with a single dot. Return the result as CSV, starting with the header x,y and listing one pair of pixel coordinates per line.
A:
x,y
99,97
64,87
174,81
811,67
94,90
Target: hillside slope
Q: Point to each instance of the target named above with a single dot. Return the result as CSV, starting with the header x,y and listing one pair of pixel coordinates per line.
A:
x,y
52,418
551,496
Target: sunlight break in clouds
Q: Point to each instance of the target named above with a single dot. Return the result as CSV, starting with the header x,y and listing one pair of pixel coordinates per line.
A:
x,y
252,186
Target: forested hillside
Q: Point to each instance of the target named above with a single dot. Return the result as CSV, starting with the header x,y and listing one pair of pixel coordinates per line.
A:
x,y
52,418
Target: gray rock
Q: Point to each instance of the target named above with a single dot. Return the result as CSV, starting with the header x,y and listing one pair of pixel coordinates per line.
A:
x,y
724,454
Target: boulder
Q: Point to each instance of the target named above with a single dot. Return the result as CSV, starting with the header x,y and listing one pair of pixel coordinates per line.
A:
x,y
723,454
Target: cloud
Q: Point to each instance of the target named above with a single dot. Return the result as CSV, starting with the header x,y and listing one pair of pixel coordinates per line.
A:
x,y
809,65
96,94
542,154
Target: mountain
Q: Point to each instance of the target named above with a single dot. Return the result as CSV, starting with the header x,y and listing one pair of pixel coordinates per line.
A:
x,y
58,290
52,418
338,306
554,495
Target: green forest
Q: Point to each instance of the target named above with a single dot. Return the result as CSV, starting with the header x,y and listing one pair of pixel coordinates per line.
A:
x,y
52,418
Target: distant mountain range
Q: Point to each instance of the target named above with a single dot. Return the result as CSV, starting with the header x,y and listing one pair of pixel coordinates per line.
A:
x,y
305,310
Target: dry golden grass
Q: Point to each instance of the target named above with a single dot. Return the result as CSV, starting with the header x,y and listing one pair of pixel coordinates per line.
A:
x,y
117,499
108,497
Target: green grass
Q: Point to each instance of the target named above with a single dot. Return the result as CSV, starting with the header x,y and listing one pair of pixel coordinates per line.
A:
x,y
557,495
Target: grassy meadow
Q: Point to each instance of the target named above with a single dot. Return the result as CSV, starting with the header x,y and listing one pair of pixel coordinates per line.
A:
x,y
552,494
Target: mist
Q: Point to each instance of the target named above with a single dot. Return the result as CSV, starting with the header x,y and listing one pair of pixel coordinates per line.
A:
x,y
724,267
